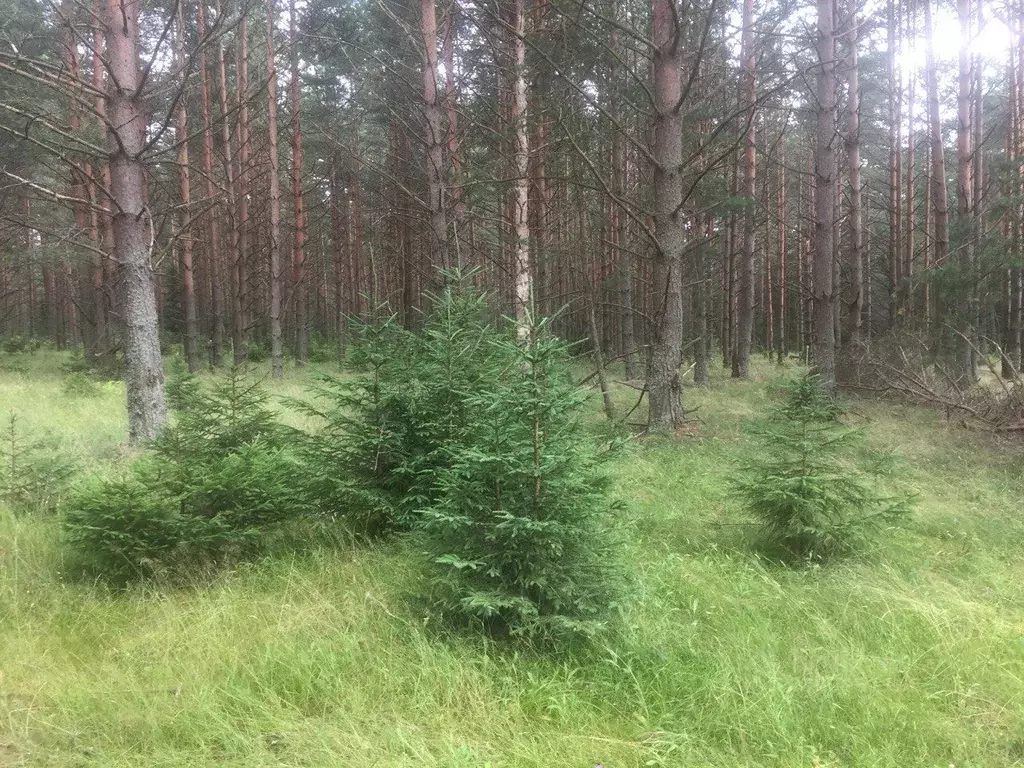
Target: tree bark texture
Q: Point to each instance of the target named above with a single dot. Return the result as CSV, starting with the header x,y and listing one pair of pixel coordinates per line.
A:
x,y
132,222
664,388
822,286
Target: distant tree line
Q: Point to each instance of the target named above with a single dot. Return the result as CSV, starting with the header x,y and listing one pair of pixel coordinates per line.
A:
x,y
674,181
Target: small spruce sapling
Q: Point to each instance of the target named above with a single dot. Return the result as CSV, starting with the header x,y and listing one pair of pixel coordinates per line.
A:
x,y
217,482
811,501
353,460
385,432
518,537
34,472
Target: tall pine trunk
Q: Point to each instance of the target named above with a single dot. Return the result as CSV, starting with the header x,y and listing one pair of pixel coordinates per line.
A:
x,y
276,350
895,160
184,206
962,344
434,139
240,298
745,294
855,247
132,222
939,197
100,182
212,245
664,388
823,288
299,242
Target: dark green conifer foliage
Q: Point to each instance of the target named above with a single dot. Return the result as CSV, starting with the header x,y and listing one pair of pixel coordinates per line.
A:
x,y
215,485
804,488
518,534
210,423
386,431
354,459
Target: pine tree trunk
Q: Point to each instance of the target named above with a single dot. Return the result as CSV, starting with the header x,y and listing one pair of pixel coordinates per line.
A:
x,y
276,347
855,252
339,206
184,209
939,197
782,223
212,246
433,141
79,173
664,387
700,302
361,276
745,294
454,155
962,343
144,379
299,287
241,255
1011,362
823,289
729,276
602,379
906,269
100,183
230,150
620,179
895,160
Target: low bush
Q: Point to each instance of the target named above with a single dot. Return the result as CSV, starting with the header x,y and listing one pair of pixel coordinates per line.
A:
x,y
79,384
322,349
125,527
17,344
105,367
257,351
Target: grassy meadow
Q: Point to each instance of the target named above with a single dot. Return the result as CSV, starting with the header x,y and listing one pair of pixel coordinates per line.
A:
x,y
911,654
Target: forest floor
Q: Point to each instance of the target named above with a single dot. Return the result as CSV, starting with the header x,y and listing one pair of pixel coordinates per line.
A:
x,y
911,654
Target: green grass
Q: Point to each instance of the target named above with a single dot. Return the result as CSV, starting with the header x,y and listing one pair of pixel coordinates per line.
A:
x,y
910,655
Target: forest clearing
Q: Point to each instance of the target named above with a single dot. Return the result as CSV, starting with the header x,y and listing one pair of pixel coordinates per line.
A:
x,y
909,654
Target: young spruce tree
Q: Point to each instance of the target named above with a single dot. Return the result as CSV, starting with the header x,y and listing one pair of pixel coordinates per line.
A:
x,y
518,535
215,484
385,432
803,487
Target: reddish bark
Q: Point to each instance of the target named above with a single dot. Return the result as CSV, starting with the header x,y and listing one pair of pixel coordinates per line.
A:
x,y
276,352
745,292
184,219
823,288
299,242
